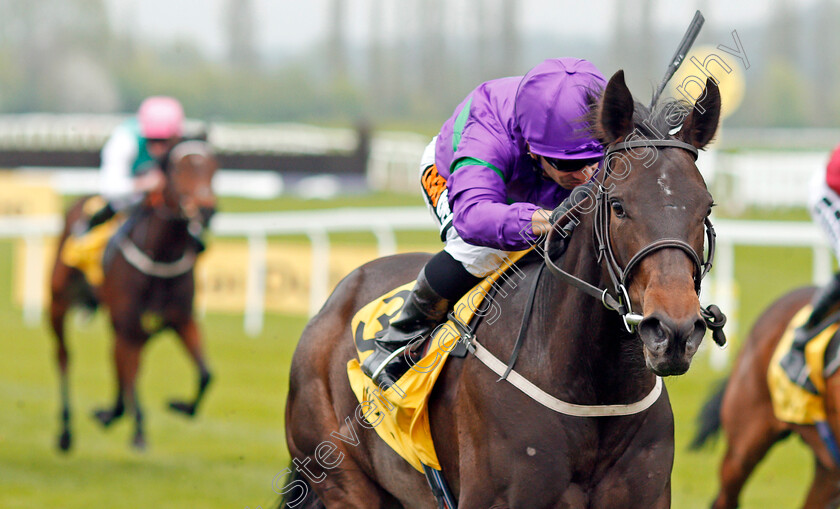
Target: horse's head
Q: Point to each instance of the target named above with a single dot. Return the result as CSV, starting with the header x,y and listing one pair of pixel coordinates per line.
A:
x,y
189,191
652,216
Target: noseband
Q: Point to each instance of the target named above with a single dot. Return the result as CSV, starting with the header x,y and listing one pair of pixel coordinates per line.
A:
x,y
619,300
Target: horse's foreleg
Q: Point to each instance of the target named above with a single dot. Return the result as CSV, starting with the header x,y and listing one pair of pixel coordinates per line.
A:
x,y
58,310
825,488
127,355
748,440
127,361
191,338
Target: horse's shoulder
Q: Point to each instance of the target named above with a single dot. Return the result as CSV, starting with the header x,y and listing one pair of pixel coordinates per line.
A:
x,y
376,278
390,271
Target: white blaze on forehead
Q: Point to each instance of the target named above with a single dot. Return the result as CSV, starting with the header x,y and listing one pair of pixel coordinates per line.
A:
x,y
663,184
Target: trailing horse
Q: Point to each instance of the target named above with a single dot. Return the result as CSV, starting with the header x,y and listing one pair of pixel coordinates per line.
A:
x,y
148,283
641,238
743,409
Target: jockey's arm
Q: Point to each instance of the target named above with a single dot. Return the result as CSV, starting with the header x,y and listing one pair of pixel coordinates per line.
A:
x,y
481,214
117,184
115,181
152,180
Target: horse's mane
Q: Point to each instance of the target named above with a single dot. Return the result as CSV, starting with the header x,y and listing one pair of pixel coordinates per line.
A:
x,y
651,123
659,121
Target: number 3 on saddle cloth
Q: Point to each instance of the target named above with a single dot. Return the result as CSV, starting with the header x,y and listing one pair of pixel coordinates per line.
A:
x,y
86,252
798,395
400,413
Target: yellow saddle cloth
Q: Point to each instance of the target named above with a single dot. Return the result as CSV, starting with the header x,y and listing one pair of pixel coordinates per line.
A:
x,y
792,403
85,252
400,413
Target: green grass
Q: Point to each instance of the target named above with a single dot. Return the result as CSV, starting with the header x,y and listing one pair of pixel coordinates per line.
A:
x,y
228,456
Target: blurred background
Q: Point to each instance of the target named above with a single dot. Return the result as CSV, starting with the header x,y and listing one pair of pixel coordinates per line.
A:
x,y
319,112
404,63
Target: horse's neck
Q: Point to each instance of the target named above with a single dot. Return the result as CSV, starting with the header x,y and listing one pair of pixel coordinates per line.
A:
x,y
162,239
584,343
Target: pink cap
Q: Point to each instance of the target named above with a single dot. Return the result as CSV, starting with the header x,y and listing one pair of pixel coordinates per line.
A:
x,y
161,117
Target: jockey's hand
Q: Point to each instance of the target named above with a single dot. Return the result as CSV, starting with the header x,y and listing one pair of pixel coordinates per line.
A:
x,y
540,221
152,181
578,195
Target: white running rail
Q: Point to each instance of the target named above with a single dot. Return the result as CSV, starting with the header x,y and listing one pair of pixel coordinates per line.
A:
x,y
383,222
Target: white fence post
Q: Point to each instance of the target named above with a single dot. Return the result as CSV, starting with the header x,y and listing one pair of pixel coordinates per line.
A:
x,y
821,270
724,297
319,281
255,289
33,279
386,241
383,222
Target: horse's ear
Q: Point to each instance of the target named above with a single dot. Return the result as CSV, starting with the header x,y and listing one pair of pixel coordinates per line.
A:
x,y
700,125
615,115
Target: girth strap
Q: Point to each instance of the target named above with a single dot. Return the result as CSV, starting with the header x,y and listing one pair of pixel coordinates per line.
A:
x,y
441,491
523,327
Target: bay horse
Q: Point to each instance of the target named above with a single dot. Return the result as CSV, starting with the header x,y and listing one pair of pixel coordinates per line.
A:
x,y
148,284
743,409
498,447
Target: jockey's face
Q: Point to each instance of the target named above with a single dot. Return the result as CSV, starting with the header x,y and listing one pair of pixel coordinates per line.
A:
x,y
159,147
567,179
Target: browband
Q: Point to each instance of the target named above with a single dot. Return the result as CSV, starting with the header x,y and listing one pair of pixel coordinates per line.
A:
x,y
625,145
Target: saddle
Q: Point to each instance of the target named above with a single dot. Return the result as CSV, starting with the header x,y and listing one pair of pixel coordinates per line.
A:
x,y
399,414
87,251
797,392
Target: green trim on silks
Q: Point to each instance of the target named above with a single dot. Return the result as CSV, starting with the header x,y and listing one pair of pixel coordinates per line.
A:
x,y
460,122
472,161
144,158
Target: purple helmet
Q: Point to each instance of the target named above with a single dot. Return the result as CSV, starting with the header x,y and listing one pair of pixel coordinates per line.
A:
x,y
550,102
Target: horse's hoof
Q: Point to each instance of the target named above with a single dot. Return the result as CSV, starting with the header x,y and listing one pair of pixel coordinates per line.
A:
x,y
182,407
139,443
104,417
65,441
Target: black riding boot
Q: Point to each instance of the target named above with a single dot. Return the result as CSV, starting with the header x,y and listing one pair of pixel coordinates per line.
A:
x,y
422,311
102,215
439,285
84,225
824,301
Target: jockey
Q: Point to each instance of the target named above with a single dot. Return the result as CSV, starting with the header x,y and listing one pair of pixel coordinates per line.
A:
x,y
824,205
512,151
132,157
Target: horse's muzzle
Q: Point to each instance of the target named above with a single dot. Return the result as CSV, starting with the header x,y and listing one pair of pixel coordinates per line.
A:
x,y
205,214
670,344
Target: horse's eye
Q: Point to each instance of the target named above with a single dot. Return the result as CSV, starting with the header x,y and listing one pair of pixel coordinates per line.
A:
x,y
618,209
709,213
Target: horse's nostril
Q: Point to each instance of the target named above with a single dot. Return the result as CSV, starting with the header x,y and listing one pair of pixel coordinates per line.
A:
x,y
695,335
699,328
655,334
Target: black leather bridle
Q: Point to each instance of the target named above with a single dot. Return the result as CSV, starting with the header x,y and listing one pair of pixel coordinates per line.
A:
x,y
619,299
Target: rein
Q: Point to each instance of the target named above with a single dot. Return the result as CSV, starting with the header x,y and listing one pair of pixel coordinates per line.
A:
x,y
619,300
143,262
